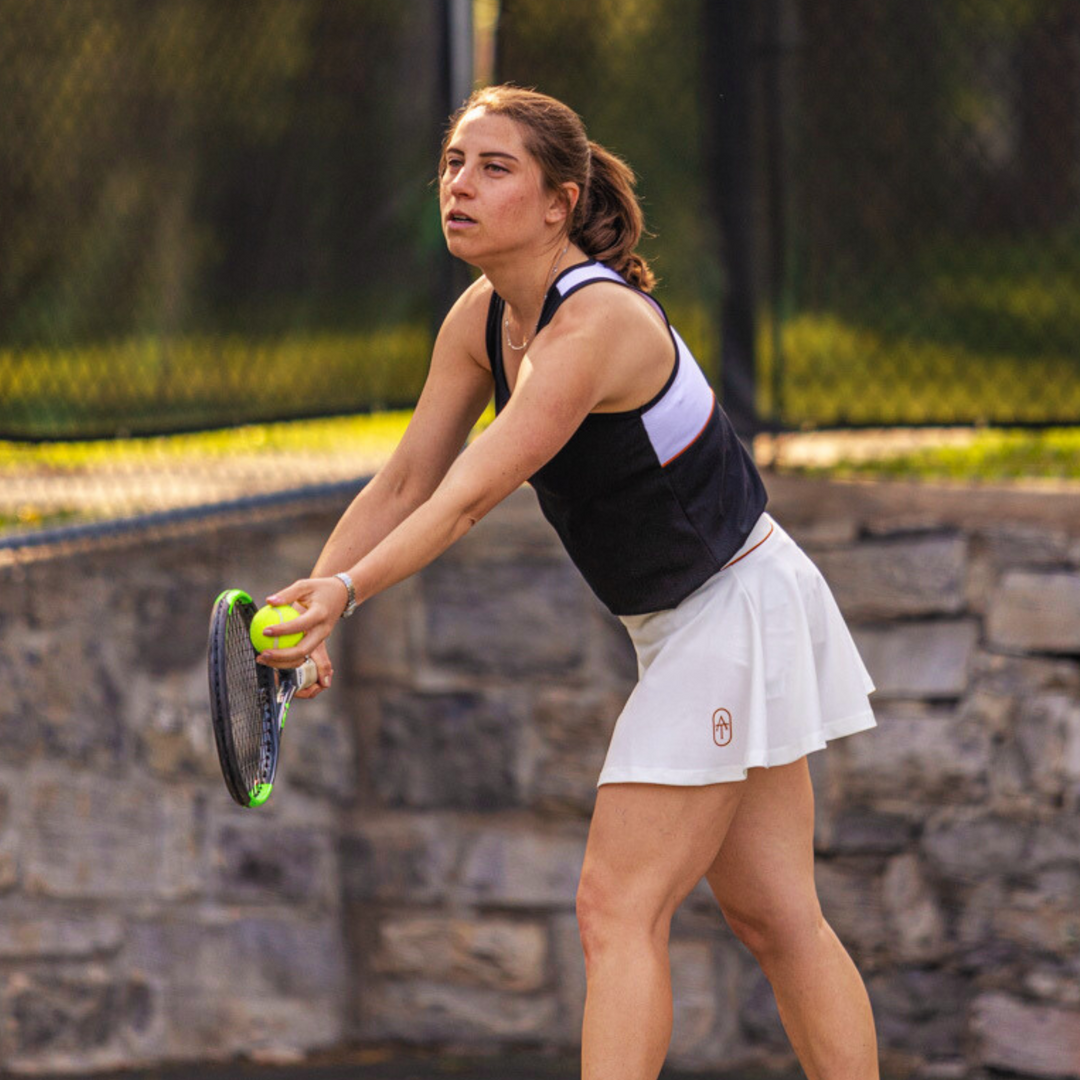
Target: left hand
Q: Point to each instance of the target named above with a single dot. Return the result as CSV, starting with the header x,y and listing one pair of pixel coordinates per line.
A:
x,y
320,602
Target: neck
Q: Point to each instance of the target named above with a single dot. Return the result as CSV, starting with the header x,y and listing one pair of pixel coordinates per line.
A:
x,y
523,280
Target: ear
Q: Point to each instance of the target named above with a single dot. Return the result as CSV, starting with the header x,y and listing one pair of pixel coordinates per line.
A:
x,y
562,204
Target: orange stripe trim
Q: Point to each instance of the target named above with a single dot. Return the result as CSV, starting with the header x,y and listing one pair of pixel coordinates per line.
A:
x,y
754,548
712,409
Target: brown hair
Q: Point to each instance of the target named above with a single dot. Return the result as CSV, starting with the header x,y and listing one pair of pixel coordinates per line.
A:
x,y
607,221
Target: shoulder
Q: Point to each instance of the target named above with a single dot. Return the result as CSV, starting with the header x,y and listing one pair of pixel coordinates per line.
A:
x,y
465,325
607,311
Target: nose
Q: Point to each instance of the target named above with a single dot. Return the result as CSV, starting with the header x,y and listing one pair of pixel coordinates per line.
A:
x,y
460,182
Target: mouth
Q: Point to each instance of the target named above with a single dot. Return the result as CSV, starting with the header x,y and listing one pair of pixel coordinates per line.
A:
x,y
456,219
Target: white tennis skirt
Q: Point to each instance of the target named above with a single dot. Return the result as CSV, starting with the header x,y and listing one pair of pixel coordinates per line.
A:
x,y
754,668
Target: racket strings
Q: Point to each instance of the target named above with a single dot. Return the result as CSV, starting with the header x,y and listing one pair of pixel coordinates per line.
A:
x,y
250,712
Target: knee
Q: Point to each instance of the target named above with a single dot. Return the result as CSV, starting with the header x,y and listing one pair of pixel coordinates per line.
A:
x,y
611,914
778,930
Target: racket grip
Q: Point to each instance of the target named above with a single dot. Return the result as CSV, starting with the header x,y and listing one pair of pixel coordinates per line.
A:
x,y
306,675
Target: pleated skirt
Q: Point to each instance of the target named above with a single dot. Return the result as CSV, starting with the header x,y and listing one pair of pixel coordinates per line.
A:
x,y
756,668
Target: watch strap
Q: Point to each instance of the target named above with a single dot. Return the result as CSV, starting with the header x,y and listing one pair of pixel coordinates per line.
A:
x,y
350,605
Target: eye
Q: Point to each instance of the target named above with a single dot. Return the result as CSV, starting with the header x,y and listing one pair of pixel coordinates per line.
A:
x,y
494,166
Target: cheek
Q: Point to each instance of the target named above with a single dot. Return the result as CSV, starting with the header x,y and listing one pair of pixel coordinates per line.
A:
x,y
521,207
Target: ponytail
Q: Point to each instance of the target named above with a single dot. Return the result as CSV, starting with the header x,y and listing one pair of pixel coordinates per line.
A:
x,y
608,222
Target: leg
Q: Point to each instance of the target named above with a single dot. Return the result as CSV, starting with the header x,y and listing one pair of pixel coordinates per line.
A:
x,y
763,878
649,845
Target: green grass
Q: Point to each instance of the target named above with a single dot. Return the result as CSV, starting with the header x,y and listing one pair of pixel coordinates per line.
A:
x,y
993,456
979,331
145,384
372,433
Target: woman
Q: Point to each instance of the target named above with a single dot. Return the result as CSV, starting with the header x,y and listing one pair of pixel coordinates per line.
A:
x,y
745,664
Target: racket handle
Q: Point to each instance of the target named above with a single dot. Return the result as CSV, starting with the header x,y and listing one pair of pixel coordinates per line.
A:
x,y
306,675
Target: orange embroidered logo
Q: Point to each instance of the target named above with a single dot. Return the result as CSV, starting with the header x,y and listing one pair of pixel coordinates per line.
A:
x,y
722,727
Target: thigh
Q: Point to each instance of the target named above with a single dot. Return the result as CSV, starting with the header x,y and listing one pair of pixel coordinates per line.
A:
x,y
763,875
650,844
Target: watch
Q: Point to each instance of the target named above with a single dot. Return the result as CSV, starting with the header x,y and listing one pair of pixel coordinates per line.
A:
x,y
351,604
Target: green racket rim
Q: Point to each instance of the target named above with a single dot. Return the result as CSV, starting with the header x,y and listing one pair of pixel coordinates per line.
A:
x,y
259,794
233,595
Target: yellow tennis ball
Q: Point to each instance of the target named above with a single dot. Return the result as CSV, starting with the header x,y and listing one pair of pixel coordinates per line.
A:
x,y
273,615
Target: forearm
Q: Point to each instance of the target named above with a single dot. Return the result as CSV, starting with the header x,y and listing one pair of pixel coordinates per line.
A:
x,y
375,513
418,540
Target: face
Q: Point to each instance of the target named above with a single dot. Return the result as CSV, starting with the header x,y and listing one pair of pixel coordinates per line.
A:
x,y
492,194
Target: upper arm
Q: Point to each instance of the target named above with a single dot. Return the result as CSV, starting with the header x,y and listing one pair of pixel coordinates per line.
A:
x,y
456,391
562,378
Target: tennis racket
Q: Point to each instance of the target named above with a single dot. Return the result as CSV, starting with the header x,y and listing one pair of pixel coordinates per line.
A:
x,y
248,701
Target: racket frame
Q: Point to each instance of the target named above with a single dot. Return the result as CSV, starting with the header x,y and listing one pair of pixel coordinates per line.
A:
x,y
276,688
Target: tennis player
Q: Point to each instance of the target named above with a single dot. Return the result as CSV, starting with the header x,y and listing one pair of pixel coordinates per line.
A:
x,y
745,663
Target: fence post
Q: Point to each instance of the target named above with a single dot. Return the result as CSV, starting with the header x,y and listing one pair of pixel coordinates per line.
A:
x,y
727,79
456,50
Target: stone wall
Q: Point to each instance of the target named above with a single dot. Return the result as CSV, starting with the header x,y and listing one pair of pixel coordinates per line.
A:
x,y
413,877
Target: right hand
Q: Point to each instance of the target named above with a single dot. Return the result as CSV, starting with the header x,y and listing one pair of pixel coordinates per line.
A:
x,y
326,671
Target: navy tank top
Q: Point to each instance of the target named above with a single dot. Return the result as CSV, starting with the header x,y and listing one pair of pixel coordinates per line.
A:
x,y
651,502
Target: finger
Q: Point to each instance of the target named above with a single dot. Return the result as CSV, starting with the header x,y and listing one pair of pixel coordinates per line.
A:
x,y
307,620
292,657
289,595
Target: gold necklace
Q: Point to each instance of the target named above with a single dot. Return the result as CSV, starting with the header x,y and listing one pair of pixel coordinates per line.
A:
x,y
547,284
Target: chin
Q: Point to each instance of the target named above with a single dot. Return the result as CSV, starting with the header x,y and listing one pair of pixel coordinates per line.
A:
x,y
461,249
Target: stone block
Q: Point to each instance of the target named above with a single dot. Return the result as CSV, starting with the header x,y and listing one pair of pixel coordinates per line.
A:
x,y
523,867
234,982
1046,736
897,578
997,549
758,1015
399,857
430,1012
1030,1039
29,933
1036,612
1044,917
170,721
1055,980
319,752
380,641
695,1000
1020,675
852,902
168,592
918,659
969,845
75,1019
446,750
497,953
259,862
1008,546
65,698
1055,843
91,837
569,966
916,755
912,912
920,1011
569,732
866,831
509,619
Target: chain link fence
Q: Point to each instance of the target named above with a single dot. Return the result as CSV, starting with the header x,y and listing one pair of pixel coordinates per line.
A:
x,y
881,197
864,212
214,213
